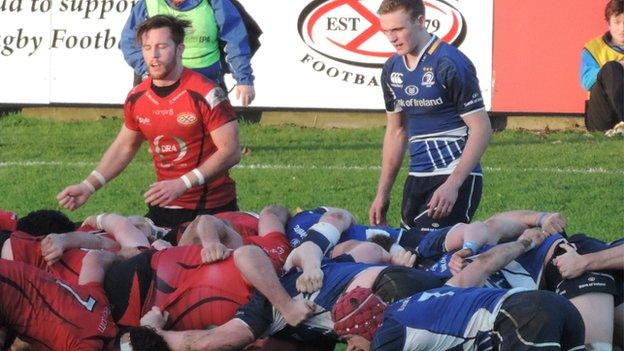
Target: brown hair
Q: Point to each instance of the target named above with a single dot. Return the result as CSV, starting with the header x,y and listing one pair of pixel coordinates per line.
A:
x,y
614,8
175,25
414,8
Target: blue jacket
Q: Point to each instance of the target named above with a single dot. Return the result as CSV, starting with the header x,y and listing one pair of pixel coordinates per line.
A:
x,y
231,31
596,53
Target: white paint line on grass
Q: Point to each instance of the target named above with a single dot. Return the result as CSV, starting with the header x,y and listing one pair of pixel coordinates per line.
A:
x,y
336,168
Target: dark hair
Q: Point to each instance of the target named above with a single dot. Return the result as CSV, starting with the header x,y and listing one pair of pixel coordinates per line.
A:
x,y
614,8
176,27
384,241
414,8
145,338
44,222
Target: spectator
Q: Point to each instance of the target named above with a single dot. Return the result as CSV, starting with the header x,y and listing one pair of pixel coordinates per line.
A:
x,y
212,21
602,72
191,129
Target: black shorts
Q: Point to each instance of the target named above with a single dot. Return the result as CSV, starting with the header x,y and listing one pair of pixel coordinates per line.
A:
x,y
418,191
173,217
537,320
397,282
588,282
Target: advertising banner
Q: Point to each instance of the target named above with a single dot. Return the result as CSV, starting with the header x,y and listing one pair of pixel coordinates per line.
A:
x,y
322,54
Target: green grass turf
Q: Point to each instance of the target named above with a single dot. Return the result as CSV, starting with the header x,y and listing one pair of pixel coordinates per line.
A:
x,y
580,175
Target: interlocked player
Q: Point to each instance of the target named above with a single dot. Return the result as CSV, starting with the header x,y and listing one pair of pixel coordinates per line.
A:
x,y
457,316
189,125
52,314
434,105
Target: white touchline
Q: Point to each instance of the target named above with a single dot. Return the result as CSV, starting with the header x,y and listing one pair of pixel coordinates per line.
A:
x,y
336,168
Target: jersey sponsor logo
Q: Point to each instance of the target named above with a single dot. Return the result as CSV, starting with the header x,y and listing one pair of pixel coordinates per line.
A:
x,y
165,112
164,147
396,79
349,31
186,119
420,102
428,79
151,98
143,120
175,98
411,90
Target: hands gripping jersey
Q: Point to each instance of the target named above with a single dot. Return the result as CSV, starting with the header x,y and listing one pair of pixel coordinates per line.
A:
x,y
434,96
298,225
51,314
177,128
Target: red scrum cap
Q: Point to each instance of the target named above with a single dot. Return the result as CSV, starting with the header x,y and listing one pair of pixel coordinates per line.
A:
x,y
8,220
358,312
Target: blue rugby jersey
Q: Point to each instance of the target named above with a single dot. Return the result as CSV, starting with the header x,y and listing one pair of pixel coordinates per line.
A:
x,y
434,96
446,318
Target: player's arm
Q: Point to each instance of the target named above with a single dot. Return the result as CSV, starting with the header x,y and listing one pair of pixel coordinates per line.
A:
x,y
94,266
485,264
509,225
115,160
471,236
131,50
443,199
233,335
122,229
394,144
54,245
217,238
571,264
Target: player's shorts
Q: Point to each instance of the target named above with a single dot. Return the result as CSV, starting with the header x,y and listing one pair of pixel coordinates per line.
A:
x,y
275,245
588,282
398,282
417,193
537,320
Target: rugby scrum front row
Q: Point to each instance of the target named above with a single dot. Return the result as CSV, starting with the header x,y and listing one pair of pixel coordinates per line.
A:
x,y
239,280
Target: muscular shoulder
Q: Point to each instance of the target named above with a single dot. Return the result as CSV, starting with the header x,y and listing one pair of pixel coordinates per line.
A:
x,y
203,88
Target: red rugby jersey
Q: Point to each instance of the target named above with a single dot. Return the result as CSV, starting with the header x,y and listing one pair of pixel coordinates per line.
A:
x,y
177,129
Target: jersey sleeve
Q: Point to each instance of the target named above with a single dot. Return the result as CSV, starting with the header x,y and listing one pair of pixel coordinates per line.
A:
x,y
219,110
589,70
390,337
129,120
27,249
459,77
389,98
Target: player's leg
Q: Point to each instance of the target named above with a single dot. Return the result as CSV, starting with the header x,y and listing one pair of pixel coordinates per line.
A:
x,y
256,268
537,320
604,109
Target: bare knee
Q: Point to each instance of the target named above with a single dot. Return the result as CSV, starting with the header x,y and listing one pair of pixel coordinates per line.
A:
x,y
279,211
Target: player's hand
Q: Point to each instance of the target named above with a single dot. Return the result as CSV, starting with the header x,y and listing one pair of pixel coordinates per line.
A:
x,y
52,248
403,258
155,318
245,94
378,210
536,236
213,252
442,201
74,196
458,260
298,311
553,223
310,280
570,264
161,244
164,192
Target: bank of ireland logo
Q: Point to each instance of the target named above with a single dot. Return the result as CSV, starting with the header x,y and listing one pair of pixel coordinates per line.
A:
x,y
411,90
348,31
396,79
169,150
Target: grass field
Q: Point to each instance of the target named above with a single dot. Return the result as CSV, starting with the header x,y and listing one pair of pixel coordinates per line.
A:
x,y
580,175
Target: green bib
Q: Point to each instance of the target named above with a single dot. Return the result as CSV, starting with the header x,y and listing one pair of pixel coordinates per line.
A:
x,y
201,47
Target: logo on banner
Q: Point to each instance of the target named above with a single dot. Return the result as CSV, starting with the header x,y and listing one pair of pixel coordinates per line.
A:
x,y
348,31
